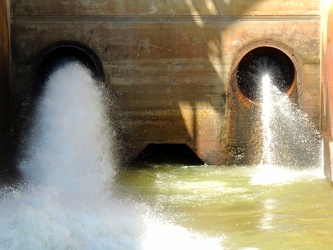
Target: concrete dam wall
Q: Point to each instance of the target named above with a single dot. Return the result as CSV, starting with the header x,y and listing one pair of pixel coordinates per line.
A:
x,y
171,65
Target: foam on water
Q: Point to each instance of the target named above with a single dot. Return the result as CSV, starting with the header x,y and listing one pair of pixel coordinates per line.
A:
x,y
280,175
66,199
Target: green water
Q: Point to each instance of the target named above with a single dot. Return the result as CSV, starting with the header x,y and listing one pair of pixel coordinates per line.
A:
x,y
248,207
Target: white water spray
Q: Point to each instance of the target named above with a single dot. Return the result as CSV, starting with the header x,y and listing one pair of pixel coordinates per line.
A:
x,y
66,202
266,119
70,143
288,136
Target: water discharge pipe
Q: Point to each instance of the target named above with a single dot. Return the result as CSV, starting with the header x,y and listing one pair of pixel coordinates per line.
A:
x,y
260,58
60,52
260,62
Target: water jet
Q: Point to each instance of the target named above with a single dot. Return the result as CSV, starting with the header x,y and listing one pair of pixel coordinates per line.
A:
x,y
58,53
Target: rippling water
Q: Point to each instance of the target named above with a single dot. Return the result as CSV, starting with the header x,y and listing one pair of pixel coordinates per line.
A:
x,y
264,207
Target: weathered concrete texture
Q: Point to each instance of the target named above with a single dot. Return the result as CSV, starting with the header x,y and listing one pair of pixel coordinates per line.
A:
x,y
4,68
169,63
165,7
327,86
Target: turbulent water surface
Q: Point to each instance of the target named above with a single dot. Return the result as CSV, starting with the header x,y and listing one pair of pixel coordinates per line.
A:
x,y
73,197
263,207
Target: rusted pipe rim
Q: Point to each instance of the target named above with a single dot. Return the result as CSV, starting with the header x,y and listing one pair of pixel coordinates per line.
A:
x,y
245,76
60,52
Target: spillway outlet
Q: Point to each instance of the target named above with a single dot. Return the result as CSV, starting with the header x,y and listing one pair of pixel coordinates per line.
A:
x,y
262,66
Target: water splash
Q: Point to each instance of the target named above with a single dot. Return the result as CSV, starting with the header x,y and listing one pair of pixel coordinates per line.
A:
x,y
266,117
289,137
66,200
70,142
251,72
280,175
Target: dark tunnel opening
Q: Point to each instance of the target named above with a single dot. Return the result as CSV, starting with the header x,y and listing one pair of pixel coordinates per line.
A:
x,y
264,61
178,154
62,52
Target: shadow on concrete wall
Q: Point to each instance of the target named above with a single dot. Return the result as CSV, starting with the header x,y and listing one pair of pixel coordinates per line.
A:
x,y
214,96
169,71
188,104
